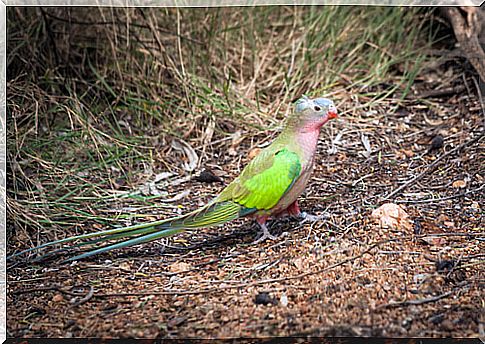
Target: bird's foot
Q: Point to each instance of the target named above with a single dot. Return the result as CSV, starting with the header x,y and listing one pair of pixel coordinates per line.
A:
x,y
311,218
265,235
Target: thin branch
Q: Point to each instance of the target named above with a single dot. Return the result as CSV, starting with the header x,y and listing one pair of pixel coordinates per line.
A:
x,y
432,200
85,298
431,166
415,302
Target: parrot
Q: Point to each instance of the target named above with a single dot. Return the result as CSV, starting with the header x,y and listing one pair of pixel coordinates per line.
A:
x,y
268,187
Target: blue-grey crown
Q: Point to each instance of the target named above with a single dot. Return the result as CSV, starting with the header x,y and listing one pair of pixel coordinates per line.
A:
x,y
304,102
323,102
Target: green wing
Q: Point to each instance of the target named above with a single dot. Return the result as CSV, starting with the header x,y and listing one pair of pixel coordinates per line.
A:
x,y
265,180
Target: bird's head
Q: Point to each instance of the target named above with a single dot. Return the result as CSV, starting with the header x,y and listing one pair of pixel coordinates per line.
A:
x,y
313,113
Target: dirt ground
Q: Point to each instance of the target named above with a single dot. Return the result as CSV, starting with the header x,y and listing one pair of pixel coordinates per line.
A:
x,y
343,276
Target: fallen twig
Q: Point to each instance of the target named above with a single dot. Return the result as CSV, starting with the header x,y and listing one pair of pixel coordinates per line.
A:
x,y
432,200
85,298
46,288
415,302
433,165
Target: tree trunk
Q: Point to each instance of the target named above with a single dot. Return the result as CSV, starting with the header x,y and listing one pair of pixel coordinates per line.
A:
x,y
469,26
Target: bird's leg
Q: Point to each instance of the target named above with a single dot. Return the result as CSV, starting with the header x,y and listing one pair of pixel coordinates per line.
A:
x,y
266,234
294,210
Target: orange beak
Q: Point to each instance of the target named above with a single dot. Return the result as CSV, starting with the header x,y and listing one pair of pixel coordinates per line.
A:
x,y
332,112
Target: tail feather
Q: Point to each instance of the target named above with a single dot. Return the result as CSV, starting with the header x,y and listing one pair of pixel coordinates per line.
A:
x,y
215,213
107,233
126,243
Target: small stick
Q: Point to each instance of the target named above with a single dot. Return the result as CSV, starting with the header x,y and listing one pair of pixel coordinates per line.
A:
x,y
433,165
47,288
86,298
432,200
416,302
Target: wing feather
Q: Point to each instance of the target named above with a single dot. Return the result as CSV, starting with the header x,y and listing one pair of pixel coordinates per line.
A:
x,y
265,180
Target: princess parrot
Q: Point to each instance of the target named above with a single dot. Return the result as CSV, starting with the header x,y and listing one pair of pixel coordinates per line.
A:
x,y
267,187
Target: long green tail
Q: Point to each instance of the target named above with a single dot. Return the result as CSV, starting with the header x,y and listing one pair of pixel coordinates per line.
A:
x,y
213,214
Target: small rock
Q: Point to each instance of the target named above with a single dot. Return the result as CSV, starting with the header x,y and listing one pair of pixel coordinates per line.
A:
x,y
444,265
69,323
284,300
174,322
298,262
406,323
207,176
436,142
437,318
180,266
447,325
418,228
264,299
394,216
449,224
408,153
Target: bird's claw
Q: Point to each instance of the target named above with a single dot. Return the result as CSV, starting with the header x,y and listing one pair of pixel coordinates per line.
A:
x,y
311,218
265,235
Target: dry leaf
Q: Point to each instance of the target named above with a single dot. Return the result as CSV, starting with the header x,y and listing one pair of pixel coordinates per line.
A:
x,y
336,141
180,266
209,131
365,142
183,146
177,197
174,322
459,184
442,218
407,152
392,215
125,266
298,262
58,298
162,176
237,138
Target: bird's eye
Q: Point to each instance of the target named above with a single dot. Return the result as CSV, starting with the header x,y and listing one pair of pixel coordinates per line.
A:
x,y
317,108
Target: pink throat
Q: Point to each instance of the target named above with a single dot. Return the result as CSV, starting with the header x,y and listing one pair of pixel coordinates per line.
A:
x,y
308,138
